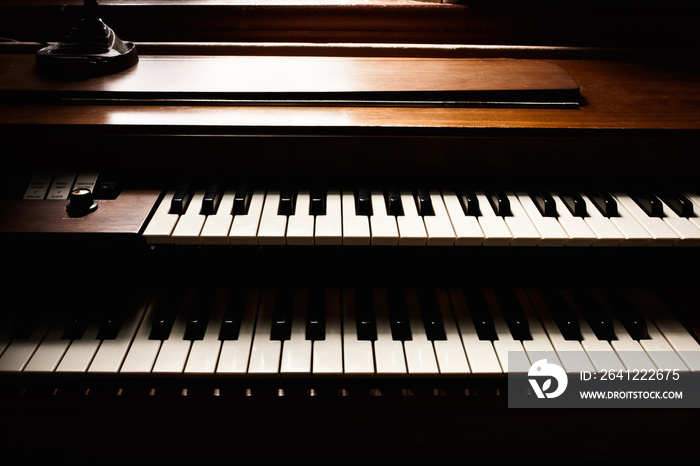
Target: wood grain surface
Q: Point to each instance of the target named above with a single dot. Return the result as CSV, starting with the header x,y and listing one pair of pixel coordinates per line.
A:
x,y
616,94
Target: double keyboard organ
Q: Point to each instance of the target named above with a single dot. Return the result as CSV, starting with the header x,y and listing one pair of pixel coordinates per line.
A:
x,y
379,308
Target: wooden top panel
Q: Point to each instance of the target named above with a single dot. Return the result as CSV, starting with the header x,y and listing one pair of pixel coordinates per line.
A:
x,y
253,80
617,95
155,75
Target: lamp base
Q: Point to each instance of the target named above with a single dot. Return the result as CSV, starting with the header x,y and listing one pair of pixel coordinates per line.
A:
x,y
90,49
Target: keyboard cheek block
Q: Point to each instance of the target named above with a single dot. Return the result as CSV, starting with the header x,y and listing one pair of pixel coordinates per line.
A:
x,y
123,217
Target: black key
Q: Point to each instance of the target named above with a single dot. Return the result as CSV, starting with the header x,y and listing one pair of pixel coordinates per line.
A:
x,y
398,314
365,314
562,313
678,202
393,201
513,314
649,203
481,316
544,202
198,314
241,200
166,307
424,203
75,325
316,314
211,199
627,312
233,314
499,202
574,202
604,202
432,319
282,312
470,203
363,201
318,200
288,199
595,314
181,199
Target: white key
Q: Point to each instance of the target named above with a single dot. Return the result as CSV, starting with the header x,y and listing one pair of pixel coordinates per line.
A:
x,y
687,231
20,350
420,354
143,351
539,347
550,230
111,354
235,354
481,354
467,229
600,352
411,227
510,352
658,349
388,353
50,352
521,228
496,232
159,230
329,227
383,227
677,336
439,226
296,352
300,226
217,226
172,356
244,228
607,233
81,352
573,357
358,355
189,226
356,229
204,353
578,231
634,233
327,359
695,199
661,233
628,349
265,353
273,226
451,357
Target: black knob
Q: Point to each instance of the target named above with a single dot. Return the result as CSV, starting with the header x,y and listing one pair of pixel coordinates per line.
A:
x,y
81,202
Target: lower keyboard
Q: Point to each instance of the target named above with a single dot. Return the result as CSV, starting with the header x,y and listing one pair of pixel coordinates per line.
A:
x,y
346,334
